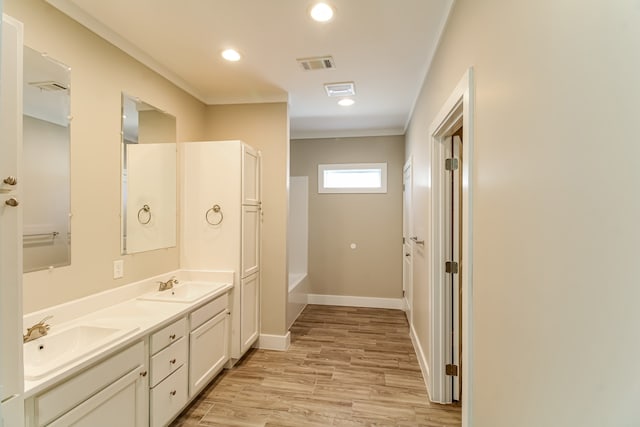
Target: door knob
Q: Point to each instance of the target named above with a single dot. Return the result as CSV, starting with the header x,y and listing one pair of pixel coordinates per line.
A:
x,y
11,180
11,202
407,254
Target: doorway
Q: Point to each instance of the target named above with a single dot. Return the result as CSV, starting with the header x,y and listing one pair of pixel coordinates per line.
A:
x,y
451,137
407,247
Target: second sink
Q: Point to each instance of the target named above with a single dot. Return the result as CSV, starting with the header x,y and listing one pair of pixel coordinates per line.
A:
x,y
184,292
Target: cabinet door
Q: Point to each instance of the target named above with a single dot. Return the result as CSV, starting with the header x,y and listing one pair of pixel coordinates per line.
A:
x,y
250,240
249,311
250,176
10,216
208,351
10,102
121,404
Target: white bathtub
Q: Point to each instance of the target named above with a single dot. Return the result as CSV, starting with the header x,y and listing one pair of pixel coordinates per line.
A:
x,y
298,291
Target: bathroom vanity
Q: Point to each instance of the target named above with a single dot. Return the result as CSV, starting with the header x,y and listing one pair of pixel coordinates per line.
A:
x,y
170,345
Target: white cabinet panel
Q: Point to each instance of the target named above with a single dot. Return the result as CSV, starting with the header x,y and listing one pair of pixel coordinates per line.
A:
x,y
207,311
168,397
57,401
168,335
121,404
250,311
250,240
168,360
209,351
250,176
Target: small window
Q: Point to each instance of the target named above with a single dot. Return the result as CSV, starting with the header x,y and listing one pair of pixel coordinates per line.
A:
x,y
352,178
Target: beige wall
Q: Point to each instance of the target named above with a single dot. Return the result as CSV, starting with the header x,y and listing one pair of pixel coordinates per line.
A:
x,y
265,127
372,221
555,207
99,73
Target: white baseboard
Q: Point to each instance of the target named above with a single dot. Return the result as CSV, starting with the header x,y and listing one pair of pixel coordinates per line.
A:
x,y
395,303
274,342
422,360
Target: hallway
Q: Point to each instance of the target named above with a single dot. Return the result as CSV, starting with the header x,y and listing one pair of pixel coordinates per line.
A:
x,y
346,366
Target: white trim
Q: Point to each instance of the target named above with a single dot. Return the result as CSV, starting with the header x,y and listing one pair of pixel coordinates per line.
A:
x,y
459,106
350,301
274,342
422,359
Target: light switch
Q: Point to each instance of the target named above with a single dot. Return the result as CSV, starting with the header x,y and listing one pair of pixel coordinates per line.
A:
x,y
118,268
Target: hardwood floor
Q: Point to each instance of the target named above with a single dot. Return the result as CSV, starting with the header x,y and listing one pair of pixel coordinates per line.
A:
x,y
346,366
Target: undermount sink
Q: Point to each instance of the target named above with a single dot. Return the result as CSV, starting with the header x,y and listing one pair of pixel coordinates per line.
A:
x,y
47,354
184,292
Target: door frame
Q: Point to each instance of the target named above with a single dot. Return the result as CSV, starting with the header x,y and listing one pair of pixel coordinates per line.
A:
x,y
407,282
456,110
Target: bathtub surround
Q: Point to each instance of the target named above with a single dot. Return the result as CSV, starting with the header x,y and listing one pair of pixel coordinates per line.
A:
x,y
298,246
370,273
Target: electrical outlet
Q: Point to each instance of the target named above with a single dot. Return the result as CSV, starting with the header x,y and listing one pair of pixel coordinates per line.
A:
x,y
118,269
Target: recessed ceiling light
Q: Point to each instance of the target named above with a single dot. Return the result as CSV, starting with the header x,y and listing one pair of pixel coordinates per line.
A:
x,y
321,12
346,102
231,55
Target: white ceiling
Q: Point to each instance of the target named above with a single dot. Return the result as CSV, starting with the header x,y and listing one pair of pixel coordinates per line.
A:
x,y
384,46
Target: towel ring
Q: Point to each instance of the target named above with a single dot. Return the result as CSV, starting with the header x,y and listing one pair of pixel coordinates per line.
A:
x,y
215,209
143,209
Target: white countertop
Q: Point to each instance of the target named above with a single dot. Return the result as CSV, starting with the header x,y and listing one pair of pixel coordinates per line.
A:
x,y
140,316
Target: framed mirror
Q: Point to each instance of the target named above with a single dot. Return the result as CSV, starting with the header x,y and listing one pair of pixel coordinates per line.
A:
x,y
149,176
46,162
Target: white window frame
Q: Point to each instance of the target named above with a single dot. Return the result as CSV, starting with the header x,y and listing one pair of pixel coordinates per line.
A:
x,y
352,166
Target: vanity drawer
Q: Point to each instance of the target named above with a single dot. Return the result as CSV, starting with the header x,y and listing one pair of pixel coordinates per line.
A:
x,y
167,361
207,311
168,335
168,397
55,402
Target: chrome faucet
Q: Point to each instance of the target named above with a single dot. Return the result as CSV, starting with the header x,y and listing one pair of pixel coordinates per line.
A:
x,y
38,330
169,284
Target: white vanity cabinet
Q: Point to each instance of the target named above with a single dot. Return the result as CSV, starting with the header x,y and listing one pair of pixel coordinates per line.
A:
x,y
208,343
225,175
168,376
111,393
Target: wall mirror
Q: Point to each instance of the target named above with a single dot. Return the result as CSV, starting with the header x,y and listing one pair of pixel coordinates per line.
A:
x,y
46,154
148,177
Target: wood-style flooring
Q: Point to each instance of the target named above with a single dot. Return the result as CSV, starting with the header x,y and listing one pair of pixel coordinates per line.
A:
x,y
346,366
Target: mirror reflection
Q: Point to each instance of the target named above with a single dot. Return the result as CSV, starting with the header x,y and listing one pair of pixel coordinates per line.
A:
x,y
148,177
46,200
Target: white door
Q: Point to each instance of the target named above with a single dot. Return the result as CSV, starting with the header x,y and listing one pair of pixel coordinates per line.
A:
x,y
250,311
250,176
250,240
453,253
208,351
11,380
120,404
407,248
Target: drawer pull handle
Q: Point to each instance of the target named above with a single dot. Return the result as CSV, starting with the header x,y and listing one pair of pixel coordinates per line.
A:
x,y
143,373
173,393
172,361
172,336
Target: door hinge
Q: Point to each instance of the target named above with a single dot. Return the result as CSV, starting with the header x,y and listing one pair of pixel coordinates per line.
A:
x,y
404,240
451,267
403,187
451,164
451,370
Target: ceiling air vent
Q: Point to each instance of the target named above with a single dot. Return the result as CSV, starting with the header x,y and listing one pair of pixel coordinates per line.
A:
x,y
49,85
340,89
318,63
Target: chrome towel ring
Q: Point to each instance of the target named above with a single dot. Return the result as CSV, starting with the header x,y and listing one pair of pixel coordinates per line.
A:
x,y
217,210
144,210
